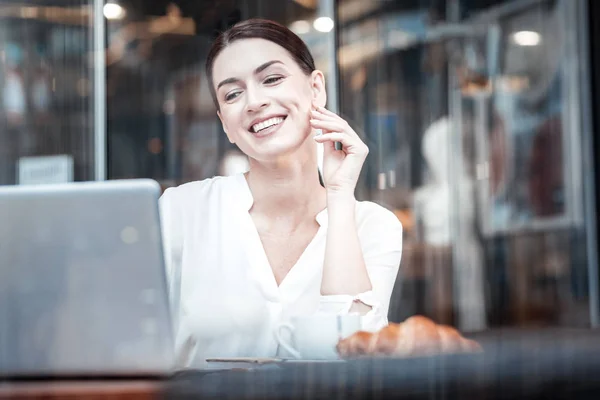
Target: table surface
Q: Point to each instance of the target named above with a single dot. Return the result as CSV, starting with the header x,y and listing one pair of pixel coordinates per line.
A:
x,y
79,389
537,364
516,363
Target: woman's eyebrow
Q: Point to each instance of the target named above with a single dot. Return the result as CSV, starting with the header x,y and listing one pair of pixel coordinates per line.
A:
x,y
258,70
266,65
227,81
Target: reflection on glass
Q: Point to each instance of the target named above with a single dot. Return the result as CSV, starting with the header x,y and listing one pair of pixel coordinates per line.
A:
x,y
468,112
156,86
47,95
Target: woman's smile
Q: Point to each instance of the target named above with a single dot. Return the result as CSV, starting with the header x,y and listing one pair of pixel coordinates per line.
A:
x,y
267,127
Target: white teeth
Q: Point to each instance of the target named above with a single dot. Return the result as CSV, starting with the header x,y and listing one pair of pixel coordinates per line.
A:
x,y
266,124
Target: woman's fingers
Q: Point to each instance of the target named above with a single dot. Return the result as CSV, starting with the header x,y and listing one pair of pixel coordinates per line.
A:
x,y
350,144
332,137
336,129
331,126
326,112
317,114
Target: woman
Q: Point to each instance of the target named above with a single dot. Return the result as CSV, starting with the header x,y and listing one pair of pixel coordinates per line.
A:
x,y
248,251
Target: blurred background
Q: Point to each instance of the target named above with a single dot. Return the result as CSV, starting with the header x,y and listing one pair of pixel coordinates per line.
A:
x,y
477,114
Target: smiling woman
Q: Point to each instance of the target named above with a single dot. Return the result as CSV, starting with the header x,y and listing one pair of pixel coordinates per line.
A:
x,y
248,252
276,90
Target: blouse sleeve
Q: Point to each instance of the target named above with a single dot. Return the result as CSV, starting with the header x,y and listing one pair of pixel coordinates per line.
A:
x,y
381,242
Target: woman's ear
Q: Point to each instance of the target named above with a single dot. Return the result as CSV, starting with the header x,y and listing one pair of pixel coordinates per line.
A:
x,y
225,127
319,94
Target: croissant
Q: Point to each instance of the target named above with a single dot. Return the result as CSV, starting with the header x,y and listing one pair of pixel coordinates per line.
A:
x,y
415,336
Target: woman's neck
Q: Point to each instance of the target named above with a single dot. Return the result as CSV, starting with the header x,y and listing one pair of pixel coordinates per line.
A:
x,y
288,189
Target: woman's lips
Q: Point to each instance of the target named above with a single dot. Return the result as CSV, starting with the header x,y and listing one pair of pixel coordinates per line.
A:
x,y
268,131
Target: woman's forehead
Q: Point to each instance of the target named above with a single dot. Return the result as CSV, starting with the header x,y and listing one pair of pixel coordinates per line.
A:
x,y
242,57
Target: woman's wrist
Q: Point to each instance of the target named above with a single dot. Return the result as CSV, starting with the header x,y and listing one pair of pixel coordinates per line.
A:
x,y
341,205
342,197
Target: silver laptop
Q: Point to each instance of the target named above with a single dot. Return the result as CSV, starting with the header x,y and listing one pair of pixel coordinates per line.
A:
x,y
82,281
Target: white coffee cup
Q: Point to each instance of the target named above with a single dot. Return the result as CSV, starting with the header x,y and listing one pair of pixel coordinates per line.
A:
x,y
315,337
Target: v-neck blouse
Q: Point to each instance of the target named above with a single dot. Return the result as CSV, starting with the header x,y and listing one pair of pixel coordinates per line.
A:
x,y
225,301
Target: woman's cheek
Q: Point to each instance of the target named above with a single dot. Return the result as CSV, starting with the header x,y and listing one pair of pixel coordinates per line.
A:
x,y
233,118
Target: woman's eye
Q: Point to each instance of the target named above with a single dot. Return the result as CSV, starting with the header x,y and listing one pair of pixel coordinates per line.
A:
x,y
231,96
273,79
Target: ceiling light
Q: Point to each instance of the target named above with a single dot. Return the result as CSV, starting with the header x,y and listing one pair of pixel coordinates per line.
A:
x,y
323,24
527,38
300,27
113,11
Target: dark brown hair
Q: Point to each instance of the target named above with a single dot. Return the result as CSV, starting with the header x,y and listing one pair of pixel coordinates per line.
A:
x,y
259,29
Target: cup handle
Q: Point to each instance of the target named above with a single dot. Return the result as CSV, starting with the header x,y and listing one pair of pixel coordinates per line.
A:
x,y
279,338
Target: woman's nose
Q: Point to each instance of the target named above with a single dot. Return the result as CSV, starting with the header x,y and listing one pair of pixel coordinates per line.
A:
x,y
255,101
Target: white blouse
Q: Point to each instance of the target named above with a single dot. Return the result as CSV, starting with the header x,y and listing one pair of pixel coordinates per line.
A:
x,y
224,297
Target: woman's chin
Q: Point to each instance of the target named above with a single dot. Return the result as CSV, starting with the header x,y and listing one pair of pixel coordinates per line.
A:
x,y
275,149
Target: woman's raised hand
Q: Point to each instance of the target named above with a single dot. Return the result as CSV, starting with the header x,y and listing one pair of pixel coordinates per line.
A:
x,y
341,168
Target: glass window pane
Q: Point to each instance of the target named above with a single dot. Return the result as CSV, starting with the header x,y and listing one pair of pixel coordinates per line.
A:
x,y
471,110
471,113
46,80
162,122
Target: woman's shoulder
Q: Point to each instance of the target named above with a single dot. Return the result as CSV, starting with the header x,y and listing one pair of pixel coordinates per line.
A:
x,y
379,229
373,215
